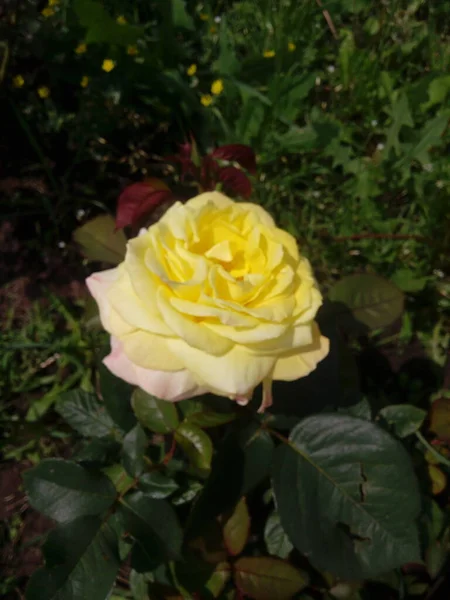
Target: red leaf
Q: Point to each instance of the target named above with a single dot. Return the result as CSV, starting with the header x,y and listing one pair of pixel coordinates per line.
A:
x,y
240,153
236,181
210,173
138,199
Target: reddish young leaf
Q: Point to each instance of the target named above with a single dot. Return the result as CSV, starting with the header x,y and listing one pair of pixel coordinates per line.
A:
x,y
240,153
236,181
138,199
209,174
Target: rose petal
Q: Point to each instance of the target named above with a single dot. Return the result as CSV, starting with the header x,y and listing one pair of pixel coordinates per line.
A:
x,y
171,386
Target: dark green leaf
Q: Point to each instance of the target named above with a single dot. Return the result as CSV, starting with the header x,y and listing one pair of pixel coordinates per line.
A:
x,y
196,444
154,525
157,415
243,460
405,419
98,452
236,528
116,395
276,539
156,485
101,27
264,578
347,496
81,562
373,301
99,240
85,413
64,490
134,444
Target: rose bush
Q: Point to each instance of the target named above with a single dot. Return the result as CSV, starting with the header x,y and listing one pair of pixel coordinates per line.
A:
x,y
214,297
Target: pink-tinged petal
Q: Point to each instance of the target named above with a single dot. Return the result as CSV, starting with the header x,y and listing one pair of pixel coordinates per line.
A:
x,y
98,284
172,386
167,385
119,364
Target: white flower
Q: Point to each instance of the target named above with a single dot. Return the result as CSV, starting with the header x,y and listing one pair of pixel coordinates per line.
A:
x,y
61,245
380,146
374,122
439,184
80,213
318,80
428,167
331,68
316,194
217,19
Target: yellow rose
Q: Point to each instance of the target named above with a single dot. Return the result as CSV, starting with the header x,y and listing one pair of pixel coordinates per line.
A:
x,y
214,297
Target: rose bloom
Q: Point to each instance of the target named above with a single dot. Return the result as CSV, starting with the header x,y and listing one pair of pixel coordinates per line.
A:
x,y
212,298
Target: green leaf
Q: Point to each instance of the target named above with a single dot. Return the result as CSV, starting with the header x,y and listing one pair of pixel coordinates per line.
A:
x,y
81,562
406,281
373,301
196,444
264,578
401,116
347,496
275,537
438,90
236,529
208,418
85,413
155,527
227,63
288,105
243,460
405,419
180,16
133,448
157,415
98,240
156,485
116,395
139,585
428,137
101,27
64,490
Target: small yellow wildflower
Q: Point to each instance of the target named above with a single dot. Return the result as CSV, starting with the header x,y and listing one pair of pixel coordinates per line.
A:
x,y
43,92
121,20
108,65
203,16
291,46
206,99
18,81
84,81
53,2
217,87
80,49
269,53
47,12
132,50
192,70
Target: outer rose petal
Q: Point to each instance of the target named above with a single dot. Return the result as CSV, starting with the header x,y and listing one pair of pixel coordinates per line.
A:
x,y
303,361
167,385
99,284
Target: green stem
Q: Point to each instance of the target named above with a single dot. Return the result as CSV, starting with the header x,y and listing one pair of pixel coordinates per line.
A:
x,y
437,455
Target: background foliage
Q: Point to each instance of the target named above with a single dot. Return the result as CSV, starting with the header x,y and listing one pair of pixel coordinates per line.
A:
x,y
342,491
